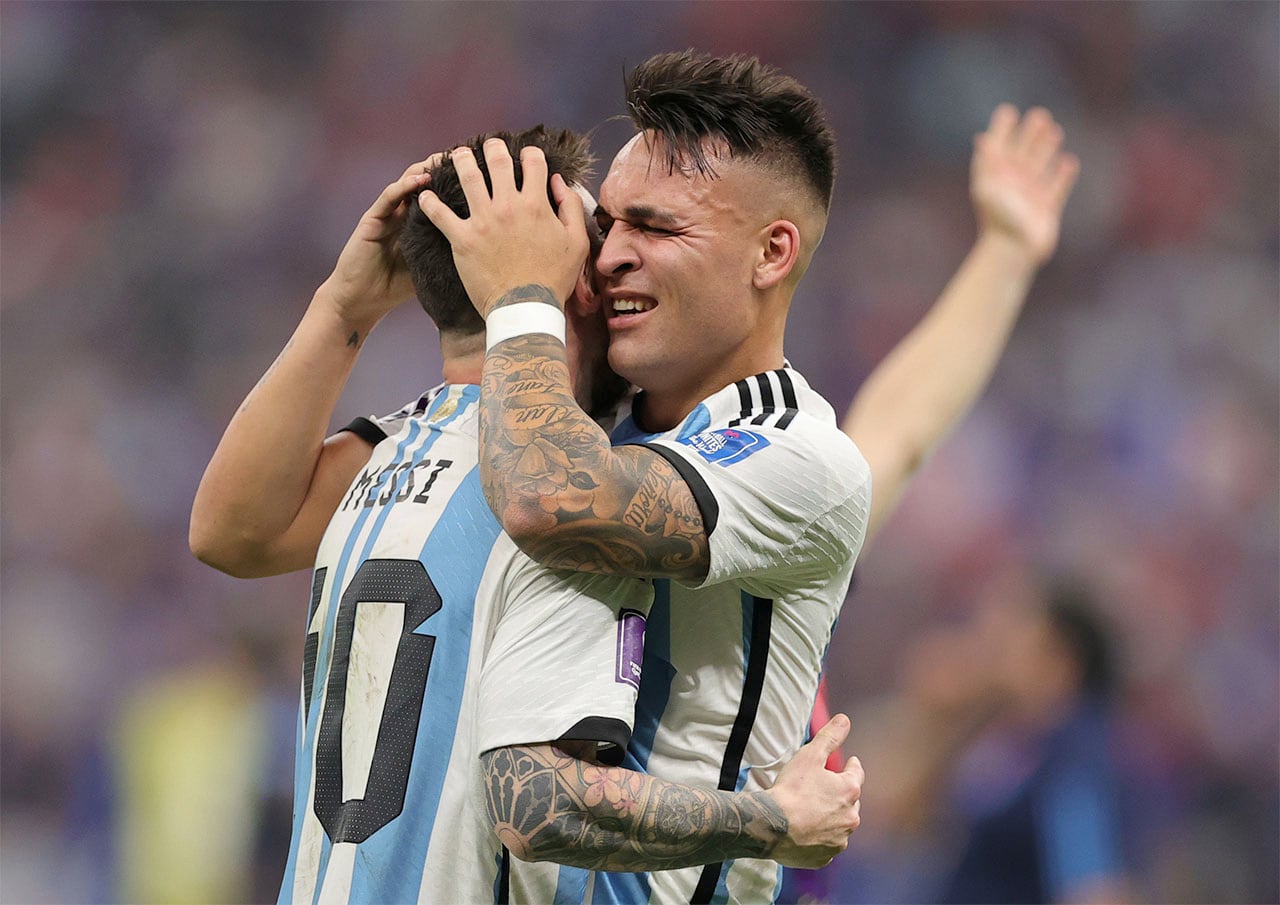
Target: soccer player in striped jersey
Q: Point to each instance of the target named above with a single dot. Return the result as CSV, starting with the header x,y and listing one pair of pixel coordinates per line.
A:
x,y
426,629
731,487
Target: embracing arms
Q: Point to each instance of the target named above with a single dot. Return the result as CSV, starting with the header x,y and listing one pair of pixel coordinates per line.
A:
x,y
548,805
1019,182
274,481
563,494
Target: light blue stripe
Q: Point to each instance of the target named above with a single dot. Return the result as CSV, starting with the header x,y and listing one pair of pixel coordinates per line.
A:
x,y
629,433
620,889
324,654
303,766
327,636
571,886
454,555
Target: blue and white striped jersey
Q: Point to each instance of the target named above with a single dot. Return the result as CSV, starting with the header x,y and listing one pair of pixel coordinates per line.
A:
x,y
731,667
417,597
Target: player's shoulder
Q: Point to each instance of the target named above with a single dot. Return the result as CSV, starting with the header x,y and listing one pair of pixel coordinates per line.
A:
x,y
437,407
780,411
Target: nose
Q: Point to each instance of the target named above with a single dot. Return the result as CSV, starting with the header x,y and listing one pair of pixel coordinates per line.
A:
x,y
618,254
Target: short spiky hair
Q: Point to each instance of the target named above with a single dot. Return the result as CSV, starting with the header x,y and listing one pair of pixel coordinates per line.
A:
x,y
752,108
426,250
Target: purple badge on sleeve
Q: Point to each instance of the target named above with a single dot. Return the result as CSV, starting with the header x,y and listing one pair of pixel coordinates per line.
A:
x,y
630,647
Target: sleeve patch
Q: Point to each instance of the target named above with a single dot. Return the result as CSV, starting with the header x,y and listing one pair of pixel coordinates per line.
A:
x,y
630,652
725,446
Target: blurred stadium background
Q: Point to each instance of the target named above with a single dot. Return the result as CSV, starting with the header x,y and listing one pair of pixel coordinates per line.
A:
x,y
178,177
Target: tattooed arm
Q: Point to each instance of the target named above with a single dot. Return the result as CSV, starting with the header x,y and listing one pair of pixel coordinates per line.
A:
x,y
565,496
547,805
274,481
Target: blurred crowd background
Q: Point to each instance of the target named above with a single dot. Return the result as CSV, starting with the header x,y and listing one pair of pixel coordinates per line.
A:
x,y
179,177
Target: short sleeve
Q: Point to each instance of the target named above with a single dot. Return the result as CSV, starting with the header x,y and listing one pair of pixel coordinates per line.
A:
x,y
373,429
784,509
564,661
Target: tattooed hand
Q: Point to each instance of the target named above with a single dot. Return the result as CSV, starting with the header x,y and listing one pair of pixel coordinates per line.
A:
x,y
822,807
512,238
371,276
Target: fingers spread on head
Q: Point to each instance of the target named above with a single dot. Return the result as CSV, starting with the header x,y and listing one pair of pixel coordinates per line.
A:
x,y
471,179
394,195
568,203
439,213
533,163
501,169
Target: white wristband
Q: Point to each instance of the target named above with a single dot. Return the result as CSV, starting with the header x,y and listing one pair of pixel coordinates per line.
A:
x,y
522,318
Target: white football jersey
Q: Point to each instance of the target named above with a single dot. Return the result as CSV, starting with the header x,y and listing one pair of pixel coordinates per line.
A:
x,y
419,602
731,667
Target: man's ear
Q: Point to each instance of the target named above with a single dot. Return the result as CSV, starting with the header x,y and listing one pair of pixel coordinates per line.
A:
x,y
779,252
585,300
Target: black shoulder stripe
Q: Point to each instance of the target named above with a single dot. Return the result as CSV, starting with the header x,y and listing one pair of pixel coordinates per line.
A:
x,y
702,494
766,391
758,413
367,431
788,399
744,399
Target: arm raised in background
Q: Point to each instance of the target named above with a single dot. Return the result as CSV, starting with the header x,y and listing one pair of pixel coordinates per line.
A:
x,y
564,495
1019,183
274,481
548,805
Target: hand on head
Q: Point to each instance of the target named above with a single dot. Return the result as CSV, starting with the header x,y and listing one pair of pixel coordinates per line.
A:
x,y
513,237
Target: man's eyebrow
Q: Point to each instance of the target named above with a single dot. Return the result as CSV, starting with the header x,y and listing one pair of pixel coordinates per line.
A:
x,y
641,213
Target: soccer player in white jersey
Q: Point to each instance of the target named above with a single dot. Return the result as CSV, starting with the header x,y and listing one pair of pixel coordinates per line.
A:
x,y
416,596
733,489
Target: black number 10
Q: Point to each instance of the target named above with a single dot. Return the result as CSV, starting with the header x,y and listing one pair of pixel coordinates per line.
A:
x,y
403,581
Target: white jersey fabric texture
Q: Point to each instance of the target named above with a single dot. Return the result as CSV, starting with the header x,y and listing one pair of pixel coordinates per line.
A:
x,y
731,667
418,600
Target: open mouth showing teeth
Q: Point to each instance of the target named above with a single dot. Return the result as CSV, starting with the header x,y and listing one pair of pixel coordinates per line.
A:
x,y
631,306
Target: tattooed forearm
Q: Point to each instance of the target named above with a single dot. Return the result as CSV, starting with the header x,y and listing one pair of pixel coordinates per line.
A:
x,y
567,497
548,806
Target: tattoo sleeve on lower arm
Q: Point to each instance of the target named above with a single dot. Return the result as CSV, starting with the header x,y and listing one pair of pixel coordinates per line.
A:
x,y
547,806
545,463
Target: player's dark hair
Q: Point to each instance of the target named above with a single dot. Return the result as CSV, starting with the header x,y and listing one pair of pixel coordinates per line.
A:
x,y
751,108
426,250
1075,620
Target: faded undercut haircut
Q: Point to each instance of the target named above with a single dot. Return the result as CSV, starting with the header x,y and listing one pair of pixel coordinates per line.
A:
x,y
746,106
427,251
